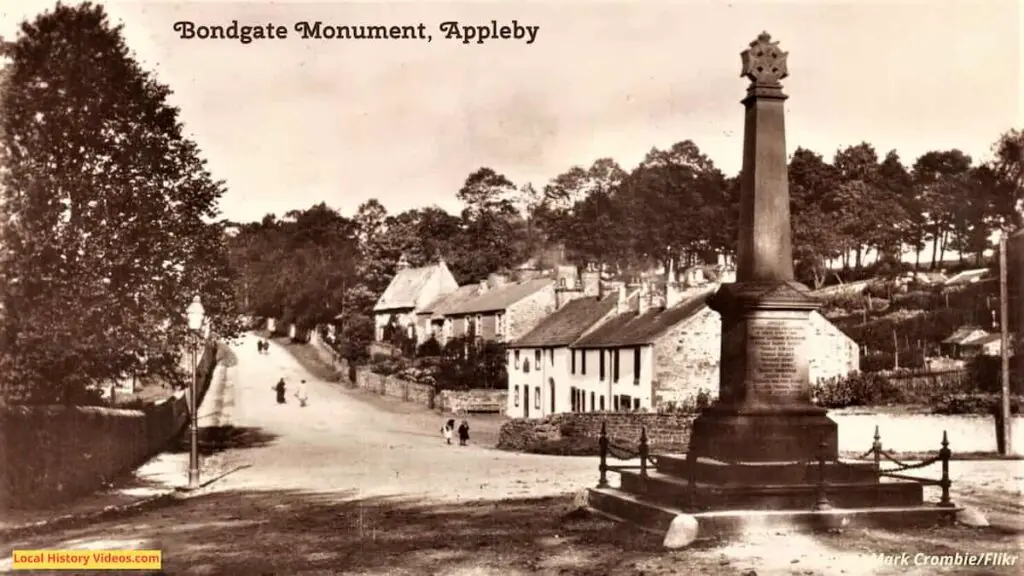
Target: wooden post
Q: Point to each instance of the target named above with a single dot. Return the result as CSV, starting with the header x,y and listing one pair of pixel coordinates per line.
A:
x,y
944,455
1004,333
876,449
895,350
644,451
602,481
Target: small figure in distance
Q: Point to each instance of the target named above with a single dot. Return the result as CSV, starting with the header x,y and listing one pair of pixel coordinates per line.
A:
x,y
447,430
302,394
463,433
280,389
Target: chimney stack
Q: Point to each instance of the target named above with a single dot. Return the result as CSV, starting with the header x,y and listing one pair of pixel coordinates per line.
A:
x,y
672,294
483,286
643,300
620,303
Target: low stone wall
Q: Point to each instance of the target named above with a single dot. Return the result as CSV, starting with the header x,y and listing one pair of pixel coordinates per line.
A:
x,y
900,432
459,401
954,380
665,432
51,454
421,394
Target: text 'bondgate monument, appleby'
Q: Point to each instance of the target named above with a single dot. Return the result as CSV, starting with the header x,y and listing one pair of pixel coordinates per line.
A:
x,y
464,33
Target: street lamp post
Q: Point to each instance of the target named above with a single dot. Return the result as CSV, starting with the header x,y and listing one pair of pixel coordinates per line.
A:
x,y
195,314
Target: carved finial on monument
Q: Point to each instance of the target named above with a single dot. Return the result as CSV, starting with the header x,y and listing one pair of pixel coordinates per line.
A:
x,y
764,63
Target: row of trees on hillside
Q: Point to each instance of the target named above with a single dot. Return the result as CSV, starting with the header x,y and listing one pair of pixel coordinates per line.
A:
x,y
106,215
676,206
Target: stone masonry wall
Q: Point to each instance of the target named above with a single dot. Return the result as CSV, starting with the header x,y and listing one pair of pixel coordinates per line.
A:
x,y
665,432
52,454
458,401
524,315
422,394
686,359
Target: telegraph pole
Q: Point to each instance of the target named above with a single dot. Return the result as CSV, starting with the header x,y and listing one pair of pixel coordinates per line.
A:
x,y
1004,333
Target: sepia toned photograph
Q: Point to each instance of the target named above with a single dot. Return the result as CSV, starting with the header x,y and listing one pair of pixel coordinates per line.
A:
x,y
676,287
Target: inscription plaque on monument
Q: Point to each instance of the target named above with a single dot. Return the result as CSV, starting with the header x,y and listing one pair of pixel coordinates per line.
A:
x,y
777,367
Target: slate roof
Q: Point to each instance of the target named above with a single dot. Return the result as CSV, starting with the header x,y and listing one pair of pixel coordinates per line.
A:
x,y
962,335
447,302
567,323
967,277
984,340
404,288
499,298
632,329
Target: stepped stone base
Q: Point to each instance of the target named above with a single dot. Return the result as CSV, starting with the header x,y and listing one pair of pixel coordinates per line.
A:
x,y
736,498
653,517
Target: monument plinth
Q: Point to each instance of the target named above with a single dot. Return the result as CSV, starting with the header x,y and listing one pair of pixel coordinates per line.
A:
x,y
764,452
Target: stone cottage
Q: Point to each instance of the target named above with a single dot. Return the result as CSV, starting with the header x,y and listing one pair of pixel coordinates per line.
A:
x,y
654,352
538,363
408,293
501,310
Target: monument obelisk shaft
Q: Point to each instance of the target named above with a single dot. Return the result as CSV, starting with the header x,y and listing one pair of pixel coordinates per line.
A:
x,y
764,412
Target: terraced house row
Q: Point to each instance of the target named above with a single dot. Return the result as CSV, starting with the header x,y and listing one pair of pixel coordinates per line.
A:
x,y
576,343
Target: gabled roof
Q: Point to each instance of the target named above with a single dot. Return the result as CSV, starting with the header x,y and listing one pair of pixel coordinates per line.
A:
x,y
443,304
500,298
632,329
963,335
567,323
405,288
967,277
984,340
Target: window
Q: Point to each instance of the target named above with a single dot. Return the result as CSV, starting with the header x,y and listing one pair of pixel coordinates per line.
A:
x,y
600,369
537,358
573,399
636,366
602,402
572,361
526,365
551,356
624,403
561,282
636,404
615,365
592,401
412,331
615,403
517,359
516,396
536,397
583,362
499,324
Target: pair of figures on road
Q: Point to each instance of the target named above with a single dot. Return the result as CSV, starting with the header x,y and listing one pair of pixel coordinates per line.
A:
x,y
262,346
300,392
449,428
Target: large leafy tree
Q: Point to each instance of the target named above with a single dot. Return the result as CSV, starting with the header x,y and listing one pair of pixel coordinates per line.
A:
x,y
107,214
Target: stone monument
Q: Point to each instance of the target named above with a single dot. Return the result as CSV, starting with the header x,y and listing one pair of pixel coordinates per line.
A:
x,y
765,447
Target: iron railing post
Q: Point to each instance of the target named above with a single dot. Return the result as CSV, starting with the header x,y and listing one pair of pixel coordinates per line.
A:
x,y
602,441
822,502
945,483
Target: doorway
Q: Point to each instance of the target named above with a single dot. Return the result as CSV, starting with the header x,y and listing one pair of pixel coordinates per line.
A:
x,y
551,393
526,401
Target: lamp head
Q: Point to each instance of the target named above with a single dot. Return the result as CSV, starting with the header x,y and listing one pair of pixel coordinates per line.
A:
x,y
195,314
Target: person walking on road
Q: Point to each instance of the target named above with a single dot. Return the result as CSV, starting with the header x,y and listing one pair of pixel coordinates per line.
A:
x,y
302,394
280,389
447,430
463,433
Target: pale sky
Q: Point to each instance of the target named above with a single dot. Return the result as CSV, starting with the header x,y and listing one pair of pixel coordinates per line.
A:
x,y
290,123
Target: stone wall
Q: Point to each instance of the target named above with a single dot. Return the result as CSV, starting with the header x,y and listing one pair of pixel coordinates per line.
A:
x,y
52,454
458,401
524,315
421,394
687,357
900,432
665,432
953,380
